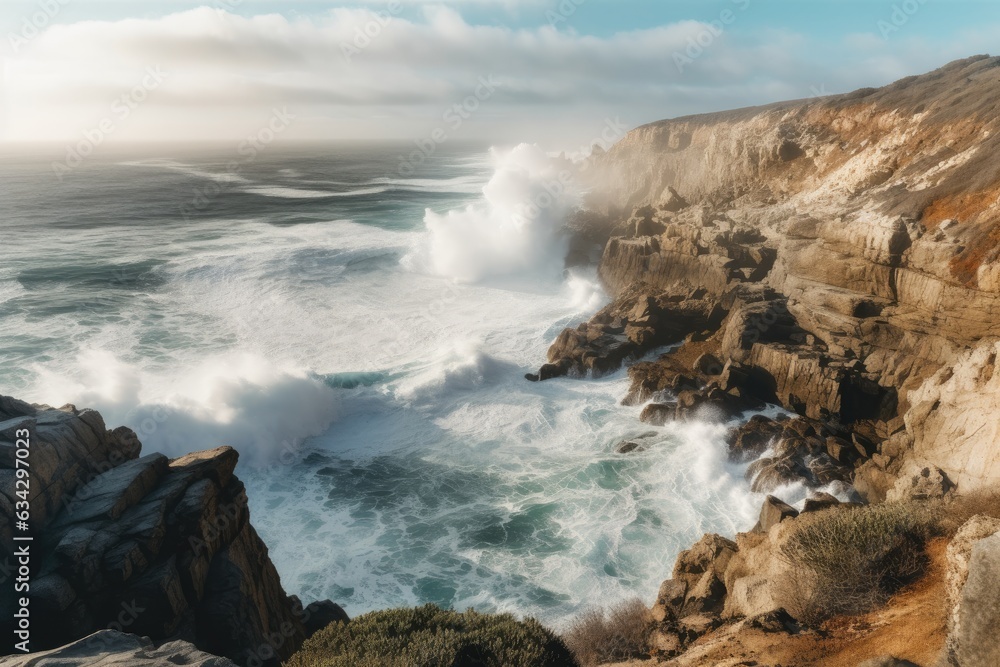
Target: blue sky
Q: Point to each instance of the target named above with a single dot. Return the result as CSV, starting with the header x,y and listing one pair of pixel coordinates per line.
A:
x,y
819,18
565,68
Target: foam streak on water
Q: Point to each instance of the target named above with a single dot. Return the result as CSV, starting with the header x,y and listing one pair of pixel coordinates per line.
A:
x,y
392,450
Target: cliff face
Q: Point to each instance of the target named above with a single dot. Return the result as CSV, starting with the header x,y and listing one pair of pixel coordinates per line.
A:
x,y
857,235
144,545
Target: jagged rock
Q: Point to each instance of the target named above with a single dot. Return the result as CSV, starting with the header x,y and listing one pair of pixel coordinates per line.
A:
x,y
69,447
628,447
927,483
819,501
711,404
666,643
671,201
648,227
696,625
110,648
670,600
777,620
148,545
657,414
773,512
320,614
752,438
853,294
953,419
631,325
708,364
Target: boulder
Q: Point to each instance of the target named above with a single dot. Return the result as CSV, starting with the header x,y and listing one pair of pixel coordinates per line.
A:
x,y
774,621
974,640
657,414
959,554
629,446
752,438
819,501
708,364
773,512
921,483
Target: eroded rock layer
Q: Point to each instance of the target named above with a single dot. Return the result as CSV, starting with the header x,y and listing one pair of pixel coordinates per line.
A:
x,y
837,256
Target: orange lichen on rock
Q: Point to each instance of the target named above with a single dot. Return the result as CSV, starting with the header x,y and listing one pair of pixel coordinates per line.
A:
x,y
962,206
983,247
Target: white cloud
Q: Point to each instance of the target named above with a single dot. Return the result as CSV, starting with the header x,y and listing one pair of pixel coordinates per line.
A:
x,y
226,73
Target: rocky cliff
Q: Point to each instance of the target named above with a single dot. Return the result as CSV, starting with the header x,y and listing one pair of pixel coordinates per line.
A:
x,y
839,256
138,544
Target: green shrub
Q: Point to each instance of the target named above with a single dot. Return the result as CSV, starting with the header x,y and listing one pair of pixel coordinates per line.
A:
x,y
622,634
851,561
432,637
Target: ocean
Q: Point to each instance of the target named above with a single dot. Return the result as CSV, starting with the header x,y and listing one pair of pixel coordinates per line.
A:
x,y
358,325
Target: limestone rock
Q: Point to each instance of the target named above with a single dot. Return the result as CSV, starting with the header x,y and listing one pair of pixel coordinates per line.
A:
x,y
773,512
110,648
974,639
960,550
817,502
926,483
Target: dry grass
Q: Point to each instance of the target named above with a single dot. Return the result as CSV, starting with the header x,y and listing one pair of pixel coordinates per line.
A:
x,y
952,515
622,633
853,561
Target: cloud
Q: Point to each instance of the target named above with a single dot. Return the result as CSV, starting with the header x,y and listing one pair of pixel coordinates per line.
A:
x,y
362,72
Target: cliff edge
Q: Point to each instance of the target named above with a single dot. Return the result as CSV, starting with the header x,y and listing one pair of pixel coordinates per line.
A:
x,y
144,545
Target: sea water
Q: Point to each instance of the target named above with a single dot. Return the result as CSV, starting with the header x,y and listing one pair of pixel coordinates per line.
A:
x,y
361,336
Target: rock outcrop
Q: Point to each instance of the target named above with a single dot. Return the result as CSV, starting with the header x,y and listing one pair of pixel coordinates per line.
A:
x,y
110,648
841,256
142,544
974,641
973,600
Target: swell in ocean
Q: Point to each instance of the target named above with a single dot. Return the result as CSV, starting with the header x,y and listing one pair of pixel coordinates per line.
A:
x,y
361,338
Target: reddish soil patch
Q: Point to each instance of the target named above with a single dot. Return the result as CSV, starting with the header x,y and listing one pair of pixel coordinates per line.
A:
x,y
912,626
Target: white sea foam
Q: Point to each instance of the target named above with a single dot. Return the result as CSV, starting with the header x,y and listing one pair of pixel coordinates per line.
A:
x,y
239,400
297,193
191,170
516,229
472,184
441,475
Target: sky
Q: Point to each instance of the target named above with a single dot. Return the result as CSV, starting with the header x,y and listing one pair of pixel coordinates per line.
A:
x,y
562,73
